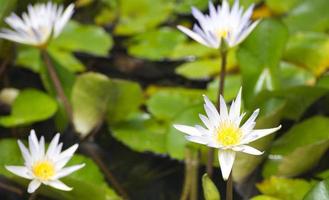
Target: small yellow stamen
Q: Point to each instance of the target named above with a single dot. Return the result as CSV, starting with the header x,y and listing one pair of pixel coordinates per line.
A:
x,y
221,33
228,135
43,170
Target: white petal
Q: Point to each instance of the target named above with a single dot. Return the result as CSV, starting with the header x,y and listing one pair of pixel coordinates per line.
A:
x,y
236,107
211,111
59,185
226,159
256,134
70,151
53,145
246,32
34,184
20,171
198,139
33,144
250,123
222,108
247,149
193,35
190,130
206,121
68,170
25,153
64,19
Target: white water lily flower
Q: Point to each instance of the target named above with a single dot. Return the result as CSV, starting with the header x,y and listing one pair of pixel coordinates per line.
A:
x,y
38,25
222,24
223,131
45,167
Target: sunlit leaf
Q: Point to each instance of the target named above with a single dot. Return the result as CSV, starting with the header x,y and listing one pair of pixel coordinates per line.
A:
x,y
83,38
319,192
165,104
205,68
283,188
90,97
310,50
30,106
308,15
261,53
210,191
156,44
141,133
184,6
281,7
125,98
142,15
309,138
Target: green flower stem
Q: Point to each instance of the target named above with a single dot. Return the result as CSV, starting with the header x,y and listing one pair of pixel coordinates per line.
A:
x,y
187,179
221,85
190,186
229,188
194,173
57,83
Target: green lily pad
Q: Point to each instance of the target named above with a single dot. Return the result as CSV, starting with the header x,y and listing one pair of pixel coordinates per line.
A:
x,y
260,55
30,106
140,16
284,188
319,192
308,15
89,99
310,50
309,138
155,45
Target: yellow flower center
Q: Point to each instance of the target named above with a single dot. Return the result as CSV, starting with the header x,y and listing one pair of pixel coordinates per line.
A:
x,y
221,33
228,135
44,170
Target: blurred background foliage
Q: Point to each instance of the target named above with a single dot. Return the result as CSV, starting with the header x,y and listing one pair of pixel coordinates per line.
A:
x,y
130,74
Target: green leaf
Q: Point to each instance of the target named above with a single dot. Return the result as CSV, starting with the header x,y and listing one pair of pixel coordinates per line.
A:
x,y
29,58
6,7
89,99
205,68
142,15
260,54
264,197
281,7
67,59
292,75
210,191
141,133
83,38
310,50
175,140
166,103
184,6
319,192
155,133
232,86
188,50
125,99
155,45
309,138
88,183
309,15
284,189
30,106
